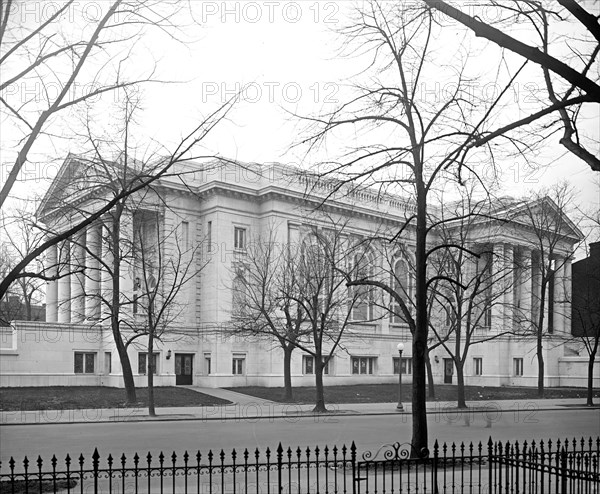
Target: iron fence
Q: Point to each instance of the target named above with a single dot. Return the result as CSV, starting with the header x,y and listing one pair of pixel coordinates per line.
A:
x,y
553,467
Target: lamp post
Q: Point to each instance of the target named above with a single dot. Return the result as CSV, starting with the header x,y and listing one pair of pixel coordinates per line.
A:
x,y
400,407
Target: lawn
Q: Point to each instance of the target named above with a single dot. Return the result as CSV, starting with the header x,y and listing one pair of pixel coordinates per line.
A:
x,y
77,397
388,393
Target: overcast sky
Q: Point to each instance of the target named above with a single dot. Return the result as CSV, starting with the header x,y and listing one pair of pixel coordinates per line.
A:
x,y
285,54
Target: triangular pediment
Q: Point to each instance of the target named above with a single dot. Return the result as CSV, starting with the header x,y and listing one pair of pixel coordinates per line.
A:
x,y
545,214
508,218
78,178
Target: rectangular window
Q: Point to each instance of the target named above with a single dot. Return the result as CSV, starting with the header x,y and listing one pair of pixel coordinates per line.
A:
x,y
185,235
85,363
239,238
238,365
363,365
406,365
143,363
207,364
308,365
477,366
518,366
487,317
209,236
107,363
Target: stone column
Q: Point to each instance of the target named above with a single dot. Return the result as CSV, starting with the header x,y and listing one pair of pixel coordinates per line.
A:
x,y
127,263
508,285
548,293
559,295
525,280
106,283
567,296
52,286
64,284
498,274
78,279
536,286
92,263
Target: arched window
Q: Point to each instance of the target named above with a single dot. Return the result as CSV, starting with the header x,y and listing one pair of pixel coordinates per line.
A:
x,y
361,297
401,282
315,272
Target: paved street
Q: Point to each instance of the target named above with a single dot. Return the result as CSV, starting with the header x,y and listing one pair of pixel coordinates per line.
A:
x,y
368,431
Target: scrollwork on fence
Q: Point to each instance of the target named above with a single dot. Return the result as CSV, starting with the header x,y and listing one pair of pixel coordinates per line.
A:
x,y
395,451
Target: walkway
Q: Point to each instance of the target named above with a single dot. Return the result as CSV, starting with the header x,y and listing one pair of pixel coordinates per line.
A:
x,y
245,407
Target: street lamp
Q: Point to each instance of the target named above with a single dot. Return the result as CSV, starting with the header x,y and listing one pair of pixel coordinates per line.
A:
x,y
400,407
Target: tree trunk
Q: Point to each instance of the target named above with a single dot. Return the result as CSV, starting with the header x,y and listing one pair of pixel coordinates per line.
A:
x,y
150,370
540,359
460,379
116,306
540,334
590,381
320,391
287,372
431,385
28,316
419,412
126,366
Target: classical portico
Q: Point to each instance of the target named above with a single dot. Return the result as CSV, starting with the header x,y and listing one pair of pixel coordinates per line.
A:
x,y
77,297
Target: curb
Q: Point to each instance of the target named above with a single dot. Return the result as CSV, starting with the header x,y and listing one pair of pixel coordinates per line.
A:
x,y
297,416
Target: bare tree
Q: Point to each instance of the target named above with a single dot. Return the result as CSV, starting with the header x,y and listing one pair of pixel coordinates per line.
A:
x,y
101,188
51,66
570,73
265,282
468,281
552,246
323,295
166,263
26,291
84,64
404,142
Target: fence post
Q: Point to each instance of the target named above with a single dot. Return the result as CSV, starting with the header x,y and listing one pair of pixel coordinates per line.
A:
x,y
353,461
490,465
563,471
279,467
95,464
434,467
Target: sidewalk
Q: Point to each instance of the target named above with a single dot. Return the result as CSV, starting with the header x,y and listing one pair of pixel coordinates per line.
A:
x,y
245,408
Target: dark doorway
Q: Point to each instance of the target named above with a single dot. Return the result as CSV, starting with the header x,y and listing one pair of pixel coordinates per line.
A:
x,y
448,370
184,368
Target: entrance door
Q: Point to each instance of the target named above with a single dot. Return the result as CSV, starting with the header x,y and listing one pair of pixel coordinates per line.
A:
x,y
448,370
184,365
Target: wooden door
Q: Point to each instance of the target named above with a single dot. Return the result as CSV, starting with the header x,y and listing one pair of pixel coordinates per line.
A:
x,y
448,370
184,367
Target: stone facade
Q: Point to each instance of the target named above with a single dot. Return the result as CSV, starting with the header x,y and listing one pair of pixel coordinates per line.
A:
x,y
222,208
